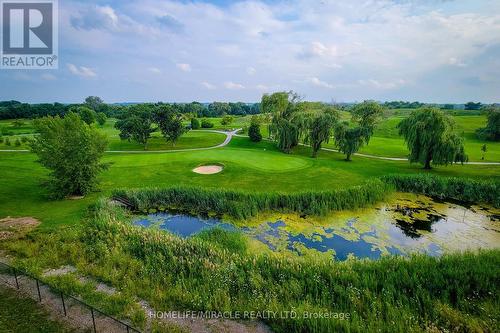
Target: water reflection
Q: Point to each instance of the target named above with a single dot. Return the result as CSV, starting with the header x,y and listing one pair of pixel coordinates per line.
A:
x,y
405,224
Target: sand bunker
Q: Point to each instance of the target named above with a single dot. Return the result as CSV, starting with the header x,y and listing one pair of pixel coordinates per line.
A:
x,y
208,169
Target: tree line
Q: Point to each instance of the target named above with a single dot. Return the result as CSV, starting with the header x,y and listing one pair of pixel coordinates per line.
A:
x,y
18,110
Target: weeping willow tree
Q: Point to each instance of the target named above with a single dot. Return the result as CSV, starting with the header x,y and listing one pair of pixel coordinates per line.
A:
x,y
430,137
288,122
319,130
349,138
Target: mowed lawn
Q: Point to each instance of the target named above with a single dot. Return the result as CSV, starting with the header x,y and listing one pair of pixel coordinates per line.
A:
x,y
191,139
248,166
387,142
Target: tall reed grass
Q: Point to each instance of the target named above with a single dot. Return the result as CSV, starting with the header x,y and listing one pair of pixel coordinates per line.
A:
x,y
241,205
457,292
461,189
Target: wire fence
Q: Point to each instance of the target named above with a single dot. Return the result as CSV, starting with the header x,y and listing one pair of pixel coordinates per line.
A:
x,y
75,310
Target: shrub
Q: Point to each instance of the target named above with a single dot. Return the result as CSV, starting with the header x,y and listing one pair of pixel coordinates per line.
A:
x,y
462,189
24,139
195,123
227,120
1,139
17,142
254,131
206,124
7,142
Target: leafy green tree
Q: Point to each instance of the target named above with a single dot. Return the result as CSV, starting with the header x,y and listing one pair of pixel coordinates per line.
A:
x,y
88,115
7,141
71,150
218,109
320,130
492,130
430,137
254,130
472,106
17,142
101,118
195,123
206,124
169,123
227,120
367,114
137,124
95,103
349,139
288,122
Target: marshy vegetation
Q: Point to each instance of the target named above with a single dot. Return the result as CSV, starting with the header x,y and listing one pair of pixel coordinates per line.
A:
x,y
417,294
244,204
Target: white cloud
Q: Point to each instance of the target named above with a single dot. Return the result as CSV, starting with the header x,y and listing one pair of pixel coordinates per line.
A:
x,y
184,67
96,17
233,85
208,85
81,71
318,49
392,84
359,49
317,82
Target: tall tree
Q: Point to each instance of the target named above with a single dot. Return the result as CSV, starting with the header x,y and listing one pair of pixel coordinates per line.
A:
x,y
94,102
101,118
367,114
320,130
137,124
169,122
349,139
472,106
430,137
254,130
492,130
288,122
88,115
71,150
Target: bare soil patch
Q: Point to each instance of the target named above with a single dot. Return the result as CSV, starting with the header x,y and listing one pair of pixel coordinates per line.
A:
x,y
11,227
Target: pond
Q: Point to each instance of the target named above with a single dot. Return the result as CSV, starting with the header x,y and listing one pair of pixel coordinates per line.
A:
x,y
403,225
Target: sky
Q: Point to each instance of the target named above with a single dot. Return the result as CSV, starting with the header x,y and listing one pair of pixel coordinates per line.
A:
x,y
434,51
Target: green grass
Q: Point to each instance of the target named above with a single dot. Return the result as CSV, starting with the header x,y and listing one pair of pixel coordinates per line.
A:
x,y
19,314
455,292
387,142
248,166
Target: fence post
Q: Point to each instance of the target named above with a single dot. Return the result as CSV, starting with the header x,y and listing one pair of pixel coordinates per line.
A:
x,y
64,305
15,277
38,289
93,319
127,329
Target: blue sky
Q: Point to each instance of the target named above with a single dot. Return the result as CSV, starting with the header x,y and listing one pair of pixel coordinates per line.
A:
x,y
327,50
